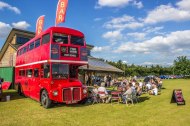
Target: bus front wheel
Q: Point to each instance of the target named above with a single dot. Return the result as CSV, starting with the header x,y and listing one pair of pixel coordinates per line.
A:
x,y
45,101
20,90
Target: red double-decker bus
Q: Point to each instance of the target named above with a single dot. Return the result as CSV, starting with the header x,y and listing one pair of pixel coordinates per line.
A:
x,y
47,67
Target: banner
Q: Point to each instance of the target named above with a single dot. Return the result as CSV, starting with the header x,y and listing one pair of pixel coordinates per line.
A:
x,y
40,25
61,11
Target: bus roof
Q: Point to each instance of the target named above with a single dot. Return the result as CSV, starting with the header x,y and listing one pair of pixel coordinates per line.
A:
x,y
64,30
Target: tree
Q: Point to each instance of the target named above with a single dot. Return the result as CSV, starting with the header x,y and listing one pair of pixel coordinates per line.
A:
x,y
181,66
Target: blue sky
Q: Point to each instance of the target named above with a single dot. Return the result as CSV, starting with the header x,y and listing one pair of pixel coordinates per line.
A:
x,y
142,32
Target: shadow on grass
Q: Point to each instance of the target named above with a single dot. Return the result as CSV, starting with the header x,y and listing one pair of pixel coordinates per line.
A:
x,y
13,96
144,98
57,105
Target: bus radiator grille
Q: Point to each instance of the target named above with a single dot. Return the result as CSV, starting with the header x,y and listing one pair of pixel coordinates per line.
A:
x,y
76,94
67,95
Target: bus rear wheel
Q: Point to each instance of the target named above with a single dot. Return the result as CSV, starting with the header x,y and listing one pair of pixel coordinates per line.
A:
x,y
45,101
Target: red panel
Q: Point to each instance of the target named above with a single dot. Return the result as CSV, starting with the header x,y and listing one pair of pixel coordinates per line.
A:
x,y
6,85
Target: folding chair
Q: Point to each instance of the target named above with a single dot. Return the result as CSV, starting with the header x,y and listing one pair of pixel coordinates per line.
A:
x,y
115,96
95,98
134,96
102,96
129,98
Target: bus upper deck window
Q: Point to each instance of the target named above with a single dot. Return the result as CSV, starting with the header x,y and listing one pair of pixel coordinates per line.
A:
x,y
60,38
77,40
45,38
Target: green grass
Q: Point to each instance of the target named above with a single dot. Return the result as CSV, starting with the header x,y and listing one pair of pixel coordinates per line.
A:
x,y
151,111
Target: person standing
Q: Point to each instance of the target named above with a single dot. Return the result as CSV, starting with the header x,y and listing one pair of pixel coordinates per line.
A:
x,y
86,79
109,80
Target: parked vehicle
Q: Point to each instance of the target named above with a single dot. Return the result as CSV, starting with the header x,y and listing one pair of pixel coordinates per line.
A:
x,y
47,67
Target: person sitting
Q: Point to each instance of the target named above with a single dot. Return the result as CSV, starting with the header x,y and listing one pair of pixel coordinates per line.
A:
x,y
138,89
95,89
102,92
154,91
94,94
127,93
140,84
160,84
148,86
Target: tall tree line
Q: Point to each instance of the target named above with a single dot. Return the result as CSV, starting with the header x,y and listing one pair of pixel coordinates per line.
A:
x,y
181,66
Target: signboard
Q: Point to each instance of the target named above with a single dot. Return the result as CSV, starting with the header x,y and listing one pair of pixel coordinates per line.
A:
x,y
69,51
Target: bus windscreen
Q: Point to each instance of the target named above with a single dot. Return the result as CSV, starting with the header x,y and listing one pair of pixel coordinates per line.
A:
x,y
60,71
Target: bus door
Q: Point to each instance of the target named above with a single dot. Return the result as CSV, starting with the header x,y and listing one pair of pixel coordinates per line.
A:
x,y
34,87
28,82
73,71
45,76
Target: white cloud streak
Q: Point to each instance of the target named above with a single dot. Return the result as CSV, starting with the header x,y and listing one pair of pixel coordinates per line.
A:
x,y
21,25
124,22
113,35
137,35
100,49
9,7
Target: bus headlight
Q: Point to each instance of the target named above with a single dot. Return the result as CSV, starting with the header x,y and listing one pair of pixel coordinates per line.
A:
x,y
84,91
55,93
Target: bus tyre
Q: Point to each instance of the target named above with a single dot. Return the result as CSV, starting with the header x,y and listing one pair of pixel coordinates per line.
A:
x,y
45,101
20,90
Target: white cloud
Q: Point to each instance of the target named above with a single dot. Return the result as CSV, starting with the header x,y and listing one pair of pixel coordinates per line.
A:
x,y
5,29
118,3
21,25
179,40
97,19
184,4
123,22
113,35
156,63
165,13
113,3
100,49
6,5
153,29
137,35
138,4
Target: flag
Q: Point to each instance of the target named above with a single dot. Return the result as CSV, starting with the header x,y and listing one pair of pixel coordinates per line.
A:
x,y
61,11
40,24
